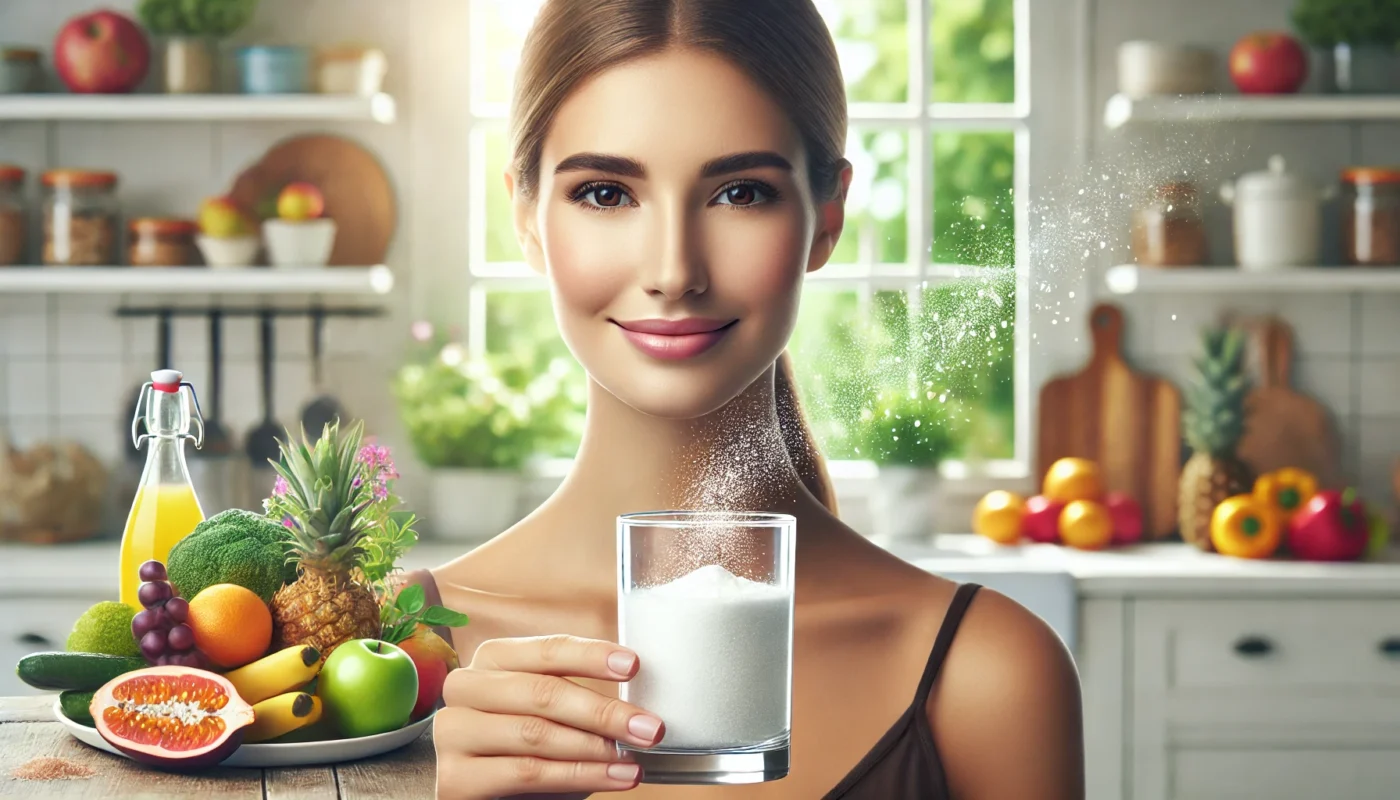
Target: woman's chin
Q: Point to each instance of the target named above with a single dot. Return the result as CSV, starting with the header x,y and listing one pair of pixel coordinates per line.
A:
x,y
672,393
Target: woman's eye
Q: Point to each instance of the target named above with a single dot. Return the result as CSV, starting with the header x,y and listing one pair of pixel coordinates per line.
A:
x,y
743,194
604,196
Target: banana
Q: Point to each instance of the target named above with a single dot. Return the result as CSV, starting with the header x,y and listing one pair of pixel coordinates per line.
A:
x,y
282,714
276,674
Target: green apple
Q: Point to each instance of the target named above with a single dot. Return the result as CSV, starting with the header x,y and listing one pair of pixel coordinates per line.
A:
x,y
368,687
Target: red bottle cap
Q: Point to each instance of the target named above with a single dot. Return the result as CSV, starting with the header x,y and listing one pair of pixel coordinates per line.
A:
x,y
166,380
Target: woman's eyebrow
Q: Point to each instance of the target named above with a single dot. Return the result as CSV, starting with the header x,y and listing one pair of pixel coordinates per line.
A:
x,y
632,168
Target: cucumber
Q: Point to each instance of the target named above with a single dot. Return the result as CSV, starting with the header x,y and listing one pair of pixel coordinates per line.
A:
x,y
82,672
76,707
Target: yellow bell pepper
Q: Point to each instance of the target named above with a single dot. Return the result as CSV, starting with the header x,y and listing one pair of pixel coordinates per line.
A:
x,y
1285,491
1244,527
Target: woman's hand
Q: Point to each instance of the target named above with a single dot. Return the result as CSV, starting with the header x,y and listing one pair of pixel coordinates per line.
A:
x,y
514,723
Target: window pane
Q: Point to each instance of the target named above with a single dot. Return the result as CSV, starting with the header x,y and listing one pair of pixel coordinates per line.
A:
x,y
829,363
974,49
498,32
872,42
520,328
974,220
876,229
501,244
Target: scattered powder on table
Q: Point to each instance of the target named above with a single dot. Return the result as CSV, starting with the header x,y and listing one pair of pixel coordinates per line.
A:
x,y
51,769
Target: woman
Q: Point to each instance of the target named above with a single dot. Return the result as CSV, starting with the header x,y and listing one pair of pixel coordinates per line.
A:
x,y
681,160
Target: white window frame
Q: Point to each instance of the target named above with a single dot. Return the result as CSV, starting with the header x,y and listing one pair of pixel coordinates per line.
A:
x,y
1047,30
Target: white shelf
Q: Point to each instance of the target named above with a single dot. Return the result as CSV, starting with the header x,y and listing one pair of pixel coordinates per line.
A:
x,y
377,280
1134,279
1122,109
205,107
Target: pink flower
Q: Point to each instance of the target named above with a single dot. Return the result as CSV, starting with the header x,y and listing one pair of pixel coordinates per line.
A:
x,y
422,330
287,522
280,487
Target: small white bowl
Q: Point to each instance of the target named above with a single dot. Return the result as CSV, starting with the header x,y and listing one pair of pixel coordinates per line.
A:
x,y
299,244
237,251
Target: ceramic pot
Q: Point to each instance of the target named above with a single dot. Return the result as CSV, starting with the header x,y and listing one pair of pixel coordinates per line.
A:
x,y
473,504
1277,218
903,504
1364,69
189,65
299,244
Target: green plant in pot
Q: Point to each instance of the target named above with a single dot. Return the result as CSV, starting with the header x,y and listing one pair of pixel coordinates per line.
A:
x,y
191,28
1358,40
907,433
477,423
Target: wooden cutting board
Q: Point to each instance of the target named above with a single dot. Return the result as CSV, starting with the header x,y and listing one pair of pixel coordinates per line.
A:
x,y
1282,427
358,194
1127,421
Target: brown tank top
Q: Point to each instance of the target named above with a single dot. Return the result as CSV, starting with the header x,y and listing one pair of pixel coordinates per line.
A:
x,y
904,764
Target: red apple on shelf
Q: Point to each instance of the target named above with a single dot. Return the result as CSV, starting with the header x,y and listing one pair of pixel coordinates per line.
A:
x,y
103,52
1268,62
299,202
1042,520
1127,517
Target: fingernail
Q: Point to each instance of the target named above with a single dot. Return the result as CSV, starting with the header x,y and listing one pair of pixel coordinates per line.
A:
x,y
621,662
644,727
623,772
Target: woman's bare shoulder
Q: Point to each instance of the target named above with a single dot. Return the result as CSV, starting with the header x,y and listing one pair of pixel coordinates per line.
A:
x,y
1008,685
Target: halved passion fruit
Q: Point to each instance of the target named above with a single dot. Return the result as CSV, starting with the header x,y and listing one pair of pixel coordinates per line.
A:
x,y
177,718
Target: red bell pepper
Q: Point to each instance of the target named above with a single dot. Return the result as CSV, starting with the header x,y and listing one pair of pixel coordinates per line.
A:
x,y
1332,526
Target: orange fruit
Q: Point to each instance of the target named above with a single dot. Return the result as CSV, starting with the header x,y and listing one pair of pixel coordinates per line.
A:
x,y
1086,525
232,625
998,516
1073,479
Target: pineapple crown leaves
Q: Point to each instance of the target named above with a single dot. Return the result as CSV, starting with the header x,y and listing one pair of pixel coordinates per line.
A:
x,y
1214,416
325,497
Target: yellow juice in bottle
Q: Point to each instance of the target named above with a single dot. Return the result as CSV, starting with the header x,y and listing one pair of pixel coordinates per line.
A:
x,y
162,515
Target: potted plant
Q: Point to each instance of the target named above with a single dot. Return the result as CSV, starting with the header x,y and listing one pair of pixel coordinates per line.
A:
x,y
1358,39
477,423
907,434
190,28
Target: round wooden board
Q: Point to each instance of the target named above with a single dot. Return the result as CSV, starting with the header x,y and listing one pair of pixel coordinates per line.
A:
x,y
358,194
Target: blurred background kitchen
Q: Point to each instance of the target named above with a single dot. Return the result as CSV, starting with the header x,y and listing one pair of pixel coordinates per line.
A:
x,y
299,204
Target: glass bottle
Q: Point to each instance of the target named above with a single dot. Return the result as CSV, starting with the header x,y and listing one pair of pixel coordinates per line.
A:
x,y
13,219
165,509
1168,229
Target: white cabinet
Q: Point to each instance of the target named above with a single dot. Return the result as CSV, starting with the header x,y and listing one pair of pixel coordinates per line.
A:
x,y
33,624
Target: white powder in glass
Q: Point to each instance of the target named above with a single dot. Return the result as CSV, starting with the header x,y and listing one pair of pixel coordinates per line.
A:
x,y
716,652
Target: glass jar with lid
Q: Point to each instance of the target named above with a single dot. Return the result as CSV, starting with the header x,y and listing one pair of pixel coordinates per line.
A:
x,y
161,242
1371,216
80,217
12,216
1168,229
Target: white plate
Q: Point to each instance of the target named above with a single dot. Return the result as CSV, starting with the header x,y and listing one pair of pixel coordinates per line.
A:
x,y
298,754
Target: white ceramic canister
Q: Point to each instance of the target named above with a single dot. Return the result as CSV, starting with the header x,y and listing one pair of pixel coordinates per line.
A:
x,y
1277,217
1147,68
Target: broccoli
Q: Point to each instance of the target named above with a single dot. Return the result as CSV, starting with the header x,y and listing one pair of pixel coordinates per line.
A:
x,y
233,546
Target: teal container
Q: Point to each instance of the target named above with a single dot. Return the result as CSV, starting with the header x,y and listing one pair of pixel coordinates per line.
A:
x,y
268,69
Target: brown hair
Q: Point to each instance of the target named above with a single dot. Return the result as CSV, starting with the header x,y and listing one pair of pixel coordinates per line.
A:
x,y
783,46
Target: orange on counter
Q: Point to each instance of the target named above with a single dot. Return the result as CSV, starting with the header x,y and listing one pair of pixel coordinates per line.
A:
x,y
1285,491
1086,525
232,625
1243,527
1073,479
998,516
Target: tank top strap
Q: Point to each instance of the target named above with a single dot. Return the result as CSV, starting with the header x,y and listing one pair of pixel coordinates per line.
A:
x,y
962,597
431,596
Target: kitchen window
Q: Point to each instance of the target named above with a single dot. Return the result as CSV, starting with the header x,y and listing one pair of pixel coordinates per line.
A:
x,y
923,293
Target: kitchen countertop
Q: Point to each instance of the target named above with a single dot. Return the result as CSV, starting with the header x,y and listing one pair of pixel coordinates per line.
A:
x,y
28,730
1167,569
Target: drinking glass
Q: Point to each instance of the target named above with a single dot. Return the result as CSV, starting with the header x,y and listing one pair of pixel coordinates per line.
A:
x,y
705,600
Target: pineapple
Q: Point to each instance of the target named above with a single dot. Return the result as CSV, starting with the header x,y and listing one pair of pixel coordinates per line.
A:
x,y
325,497
1214,422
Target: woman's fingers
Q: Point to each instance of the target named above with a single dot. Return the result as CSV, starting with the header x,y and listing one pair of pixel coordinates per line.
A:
x,y
525,775
485,734
555,699
571,656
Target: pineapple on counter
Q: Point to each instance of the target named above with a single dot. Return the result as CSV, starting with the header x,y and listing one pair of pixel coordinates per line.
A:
x,y
325,498
1213,422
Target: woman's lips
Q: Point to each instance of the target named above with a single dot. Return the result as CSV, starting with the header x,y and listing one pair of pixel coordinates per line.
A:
x,y
674,346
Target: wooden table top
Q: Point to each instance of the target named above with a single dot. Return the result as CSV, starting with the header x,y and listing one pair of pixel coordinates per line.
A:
x,y
28,731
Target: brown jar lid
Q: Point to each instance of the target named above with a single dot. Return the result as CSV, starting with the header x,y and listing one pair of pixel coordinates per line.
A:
x,y
163,226
18,54
9,173
79,177
1371,175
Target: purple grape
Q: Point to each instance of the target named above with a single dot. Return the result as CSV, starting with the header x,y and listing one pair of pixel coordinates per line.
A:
x,y
143,623
163,660
151,594
180,638
178,609
152,571
153,645
193,659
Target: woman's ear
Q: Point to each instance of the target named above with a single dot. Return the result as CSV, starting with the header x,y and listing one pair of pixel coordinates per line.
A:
x,y
526,232
831,219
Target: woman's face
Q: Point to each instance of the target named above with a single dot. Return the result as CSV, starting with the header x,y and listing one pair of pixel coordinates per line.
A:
x,y
672,190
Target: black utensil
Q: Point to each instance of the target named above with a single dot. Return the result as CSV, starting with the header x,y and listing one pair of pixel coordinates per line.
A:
x,y
323,409
261,445
162,362
217,439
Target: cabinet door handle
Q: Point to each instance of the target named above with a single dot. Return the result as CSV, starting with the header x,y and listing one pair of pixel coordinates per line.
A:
x,y
1255,646
1390,647
34,639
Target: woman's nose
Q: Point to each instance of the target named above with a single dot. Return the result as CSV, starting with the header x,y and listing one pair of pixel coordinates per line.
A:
x,y
678,265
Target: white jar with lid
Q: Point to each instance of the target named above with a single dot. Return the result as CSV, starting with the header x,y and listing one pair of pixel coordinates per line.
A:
x,y
1277,217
